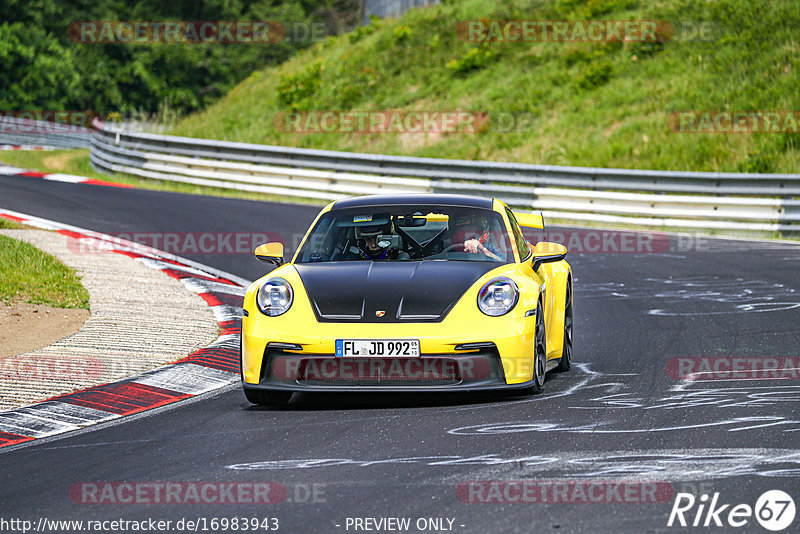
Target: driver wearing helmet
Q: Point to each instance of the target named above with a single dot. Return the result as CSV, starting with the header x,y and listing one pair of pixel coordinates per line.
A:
x,y
474,229
368,245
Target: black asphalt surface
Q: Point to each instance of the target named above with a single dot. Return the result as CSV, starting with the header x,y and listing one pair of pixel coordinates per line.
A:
x,y
137,214
620,415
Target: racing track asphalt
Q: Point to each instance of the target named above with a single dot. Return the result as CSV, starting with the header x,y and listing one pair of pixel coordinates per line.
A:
x,y
618,415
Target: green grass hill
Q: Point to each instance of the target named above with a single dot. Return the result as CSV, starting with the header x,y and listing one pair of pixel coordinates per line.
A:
x,y
591,103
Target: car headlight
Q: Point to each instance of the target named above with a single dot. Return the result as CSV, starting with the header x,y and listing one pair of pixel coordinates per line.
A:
x,y
498,297
274,297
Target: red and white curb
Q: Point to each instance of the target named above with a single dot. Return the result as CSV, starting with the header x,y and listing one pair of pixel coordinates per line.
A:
x,y
210,368
10,170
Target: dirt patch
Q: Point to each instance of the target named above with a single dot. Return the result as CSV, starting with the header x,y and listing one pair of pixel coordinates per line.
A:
x,y
411,141
26,327
59,162
611,129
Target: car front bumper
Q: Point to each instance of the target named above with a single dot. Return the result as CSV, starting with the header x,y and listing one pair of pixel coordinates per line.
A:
x,y
469,358
468,370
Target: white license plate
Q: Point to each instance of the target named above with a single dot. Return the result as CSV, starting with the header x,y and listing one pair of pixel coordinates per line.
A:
x,y
377,348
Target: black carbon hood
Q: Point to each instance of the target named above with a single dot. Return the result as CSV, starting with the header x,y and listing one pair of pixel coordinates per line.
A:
x,y
412,291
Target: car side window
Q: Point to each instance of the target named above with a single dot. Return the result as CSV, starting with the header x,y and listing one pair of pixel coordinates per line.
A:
x,y
522,245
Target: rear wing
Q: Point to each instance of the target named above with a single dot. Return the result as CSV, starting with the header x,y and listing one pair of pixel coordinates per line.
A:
x,y
530,220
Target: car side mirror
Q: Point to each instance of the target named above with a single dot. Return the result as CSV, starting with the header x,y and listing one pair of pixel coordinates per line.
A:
x,y
270,253
546,252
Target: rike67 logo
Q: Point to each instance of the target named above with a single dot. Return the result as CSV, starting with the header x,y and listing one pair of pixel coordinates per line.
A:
x,y
774,510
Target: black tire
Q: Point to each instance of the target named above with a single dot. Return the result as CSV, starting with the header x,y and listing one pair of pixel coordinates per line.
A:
x,y
268,398
539,352
566,353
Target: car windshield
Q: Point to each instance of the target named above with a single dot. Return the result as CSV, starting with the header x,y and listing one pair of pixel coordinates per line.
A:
x,y
408,233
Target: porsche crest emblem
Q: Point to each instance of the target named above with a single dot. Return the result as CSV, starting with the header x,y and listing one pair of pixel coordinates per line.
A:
x,y
380,313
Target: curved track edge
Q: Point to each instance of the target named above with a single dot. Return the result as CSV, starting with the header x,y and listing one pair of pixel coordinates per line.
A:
x,y
213,367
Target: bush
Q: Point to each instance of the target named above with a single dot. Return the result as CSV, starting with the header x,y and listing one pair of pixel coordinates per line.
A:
x,y
577,55
476,58
37,71
295,90
402,33
46,66
644,49
351,88
586,9
361,32
756,162
595,75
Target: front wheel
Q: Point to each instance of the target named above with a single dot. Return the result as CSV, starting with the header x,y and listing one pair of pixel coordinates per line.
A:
x,y
268,398
566,353
539,352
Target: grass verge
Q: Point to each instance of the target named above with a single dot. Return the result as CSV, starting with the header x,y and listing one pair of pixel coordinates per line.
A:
x,y
5,224
30,275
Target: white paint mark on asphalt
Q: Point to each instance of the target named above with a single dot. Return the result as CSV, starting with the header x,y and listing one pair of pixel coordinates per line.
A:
x,y
615,427
702,295
588,376
680,397
756,308
673,465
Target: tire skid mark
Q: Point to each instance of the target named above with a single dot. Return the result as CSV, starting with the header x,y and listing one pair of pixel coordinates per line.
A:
x,y
649,464
701,295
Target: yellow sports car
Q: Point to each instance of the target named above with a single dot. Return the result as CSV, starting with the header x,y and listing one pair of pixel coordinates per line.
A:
x,y
408,293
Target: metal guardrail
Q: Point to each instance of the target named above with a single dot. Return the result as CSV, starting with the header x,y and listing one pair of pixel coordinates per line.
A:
x,y
34,133
697,200
391,8
28,133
